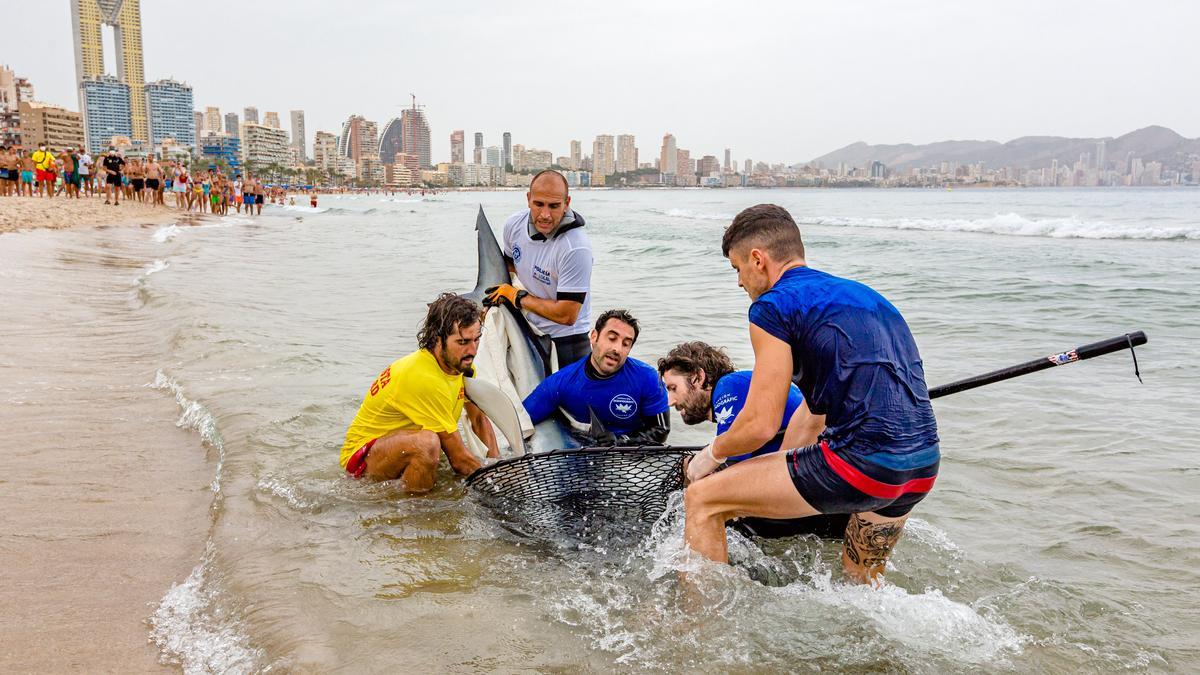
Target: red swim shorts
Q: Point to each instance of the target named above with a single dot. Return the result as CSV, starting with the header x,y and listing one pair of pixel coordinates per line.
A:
x,y
357,464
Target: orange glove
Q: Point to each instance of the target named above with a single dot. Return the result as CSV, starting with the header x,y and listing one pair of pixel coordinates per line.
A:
x,y
496,294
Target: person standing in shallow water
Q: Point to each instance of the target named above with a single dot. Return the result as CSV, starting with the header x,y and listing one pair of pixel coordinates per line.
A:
x,y
547,250
865,439
409,415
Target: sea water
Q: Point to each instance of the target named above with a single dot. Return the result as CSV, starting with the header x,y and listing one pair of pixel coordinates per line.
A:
x,y
1063,534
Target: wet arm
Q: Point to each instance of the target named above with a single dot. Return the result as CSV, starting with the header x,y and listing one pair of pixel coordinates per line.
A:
x,y
463,460
803,429
766,401
565,312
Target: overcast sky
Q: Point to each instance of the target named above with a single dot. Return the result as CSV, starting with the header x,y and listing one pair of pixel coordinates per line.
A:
x,y
775,81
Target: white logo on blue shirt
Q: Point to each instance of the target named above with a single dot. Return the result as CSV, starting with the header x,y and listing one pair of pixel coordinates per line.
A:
x,y
622,406
722,416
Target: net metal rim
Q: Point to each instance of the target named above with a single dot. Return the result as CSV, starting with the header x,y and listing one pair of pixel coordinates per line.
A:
x,y
483,472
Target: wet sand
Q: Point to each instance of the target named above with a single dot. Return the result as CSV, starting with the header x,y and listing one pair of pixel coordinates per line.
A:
x,y
105,501
28,213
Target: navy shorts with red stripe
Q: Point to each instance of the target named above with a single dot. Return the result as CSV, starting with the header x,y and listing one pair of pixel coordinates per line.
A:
x,y
833,482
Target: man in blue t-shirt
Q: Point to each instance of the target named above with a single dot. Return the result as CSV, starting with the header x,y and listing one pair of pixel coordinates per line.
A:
x,y
625,394
865,442
703,386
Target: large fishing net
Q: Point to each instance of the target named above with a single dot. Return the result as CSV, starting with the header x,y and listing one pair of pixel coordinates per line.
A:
x,y
608,492
580,490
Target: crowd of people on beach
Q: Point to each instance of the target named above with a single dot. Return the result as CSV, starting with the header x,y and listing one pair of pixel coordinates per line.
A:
x,y
73,173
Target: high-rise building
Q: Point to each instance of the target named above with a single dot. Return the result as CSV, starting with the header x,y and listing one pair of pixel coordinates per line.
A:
x,y
391,141
325,149
1101,155
576,155
54,126
106,110
359,143
627,159
415,138
518,158
668,161
198,123
10,98
169,106
478,147
232,127
728,166
603,158
250,115
685,168
494,156
263,145
271,119
458,151
212,120
221,149
88,18
506,158
749,167
298,134
9,93
708,166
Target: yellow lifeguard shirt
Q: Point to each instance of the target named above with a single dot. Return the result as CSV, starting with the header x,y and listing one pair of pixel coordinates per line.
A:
x,y
412,393
45,162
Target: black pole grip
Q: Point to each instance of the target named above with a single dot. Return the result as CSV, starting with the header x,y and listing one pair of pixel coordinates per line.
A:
x,y
1114,344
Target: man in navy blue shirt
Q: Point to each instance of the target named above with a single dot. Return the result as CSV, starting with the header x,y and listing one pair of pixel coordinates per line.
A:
x,y
625,394
703,386
865,438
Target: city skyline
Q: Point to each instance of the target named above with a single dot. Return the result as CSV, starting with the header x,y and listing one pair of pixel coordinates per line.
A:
x,y
857,93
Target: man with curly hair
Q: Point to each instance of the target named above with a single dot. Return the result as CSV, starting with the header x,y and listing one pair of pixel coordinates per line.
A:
x,y
703,386
409,415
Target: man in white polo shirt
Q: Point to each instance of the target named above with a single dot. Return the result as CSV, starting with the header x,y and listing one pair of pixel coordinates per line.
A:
x,y
548,251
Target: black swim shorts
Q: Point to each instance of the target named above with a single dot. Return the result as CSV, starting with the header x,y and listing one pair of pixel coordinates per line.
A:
x,y
834,482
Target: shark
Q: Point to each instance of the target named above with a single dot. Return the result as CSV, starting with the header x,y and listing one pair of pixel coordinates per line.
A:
x,y
513,359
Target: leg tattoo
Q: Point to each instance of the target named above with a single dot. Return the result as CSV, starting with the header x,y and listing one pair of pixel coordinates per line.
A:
x,y
868,544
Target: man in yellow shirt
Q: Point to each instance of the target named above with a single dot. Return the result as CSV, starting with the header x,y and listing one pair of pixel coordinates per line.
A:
x,y
43,159
409,416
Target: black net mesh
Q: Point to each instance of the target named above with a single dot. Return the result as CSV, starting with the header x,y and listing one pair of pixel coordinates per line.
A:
x,y
612,493
578,490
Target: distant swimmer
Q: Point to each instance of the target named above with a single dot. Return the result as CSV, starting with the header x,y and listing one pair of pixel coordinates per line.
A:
x,y
624,393
410,413
866,440
552,257
703,386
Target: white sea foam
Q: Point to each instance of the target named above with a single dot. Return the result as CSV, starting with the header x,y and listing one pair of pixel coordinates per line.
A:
x,y
1016,225
304,208
692,215
155,267
926,624
166,233
196,417
193,633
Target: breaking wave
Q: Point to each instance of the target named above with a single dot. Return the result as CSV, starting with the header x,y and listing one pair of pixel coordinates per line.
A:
x,y
194,634
1014,224
166,233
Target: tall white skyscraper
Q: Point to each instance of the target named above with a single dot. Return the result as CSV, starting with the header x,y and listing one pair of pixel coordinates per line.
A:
x,y
298,134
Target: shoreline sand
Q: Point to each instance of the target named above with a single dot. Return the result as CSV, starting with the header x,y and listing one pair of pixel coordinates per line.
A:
x,y
105,500
32,213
